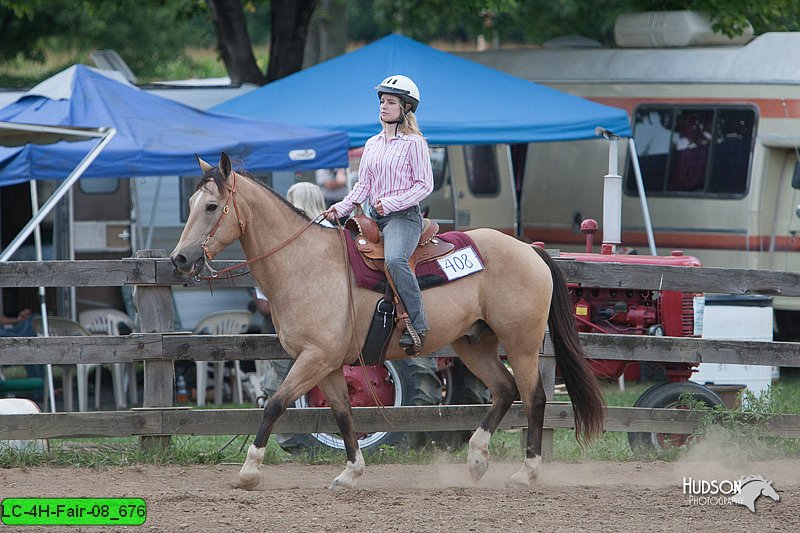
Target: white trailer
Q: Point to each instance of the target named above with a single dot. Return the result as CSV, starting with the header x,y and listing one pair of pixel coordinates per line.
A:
x,y
717,130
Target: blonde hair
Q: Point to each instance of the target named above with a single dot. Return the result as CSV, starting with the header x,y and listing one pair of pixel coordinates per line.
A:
x,y
410,126
307,197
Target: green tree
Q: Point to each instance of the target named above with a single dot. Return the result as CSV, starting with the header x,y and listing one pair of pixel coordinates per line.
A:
x,y
147,33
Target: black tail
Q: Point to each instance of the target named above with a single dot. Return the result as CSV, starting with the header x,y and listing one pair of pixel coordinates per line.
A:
x,y
587,399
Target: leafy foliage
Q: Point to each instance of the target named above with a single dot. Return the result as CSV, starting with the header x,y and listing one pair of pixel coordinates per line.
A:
x,y
153,35
146,33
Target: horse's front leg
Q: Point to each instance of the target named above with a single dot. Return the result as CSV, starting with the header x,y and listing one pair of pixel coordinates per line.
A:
x,y
306,372
335,388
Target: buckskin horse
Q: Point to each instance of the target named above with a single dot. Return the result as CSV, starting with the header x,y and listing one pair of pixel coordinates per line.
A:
x,y
322,319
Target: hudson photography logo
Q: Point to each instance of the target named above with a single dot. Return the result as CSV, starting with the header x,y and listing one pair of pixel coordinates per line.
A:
x,y
743,491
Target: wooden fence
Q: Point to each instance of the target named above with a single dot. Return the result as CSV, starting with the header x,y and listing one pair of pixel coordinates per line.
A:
x,y
158,347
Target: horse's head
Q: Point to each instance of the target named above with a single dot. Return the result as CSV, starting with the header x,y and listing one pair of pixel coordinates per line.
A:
x,y
768,490
214,220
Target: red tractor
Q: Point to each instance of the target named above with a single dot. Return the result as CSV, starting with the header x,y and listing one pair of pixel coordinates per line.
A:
x,y
640,312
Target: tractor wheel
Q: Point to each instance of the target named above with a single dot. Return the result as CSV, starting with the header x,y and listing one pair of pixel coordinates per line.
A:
x,y
410,382
462,387
668,396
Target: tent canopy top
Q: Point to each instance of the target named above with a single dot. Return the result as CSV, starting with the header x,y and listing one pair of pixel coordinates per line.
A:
x,y
462,102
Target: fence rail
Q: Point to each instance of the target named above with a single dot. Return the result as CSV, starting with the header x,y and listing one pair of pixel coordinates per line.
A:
x,y
159,347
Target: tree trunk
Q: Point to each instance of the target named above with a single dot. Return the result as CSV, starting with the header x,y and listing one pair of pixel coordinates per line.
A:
x,y
327,32
290,19
233,41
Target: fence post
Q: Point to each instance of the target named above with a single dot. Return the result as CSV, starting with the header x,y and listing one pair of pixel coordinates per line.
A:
x,y
155,307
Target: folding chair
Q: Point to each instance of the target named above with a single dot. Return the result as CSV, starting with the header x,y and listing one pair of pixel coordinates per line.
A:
x,y
107,322
220,323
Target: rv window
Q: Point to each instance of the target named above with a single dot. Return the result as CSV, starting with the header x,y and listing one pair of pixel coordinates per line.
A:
x,y
796,176
694,151
99,185
439,164
482,175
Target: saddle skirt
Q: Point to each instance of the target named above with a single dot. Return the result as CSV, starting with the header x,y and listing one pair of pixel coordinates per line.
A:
x,y
369,243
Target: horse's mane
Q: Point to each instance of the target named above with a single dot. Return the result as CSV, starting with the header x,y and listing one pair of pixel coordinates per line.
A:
x,y
215,176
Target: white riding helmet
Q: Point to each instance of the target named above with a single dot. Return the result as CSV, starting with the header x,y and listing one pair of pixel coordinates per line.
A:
x,y
401,86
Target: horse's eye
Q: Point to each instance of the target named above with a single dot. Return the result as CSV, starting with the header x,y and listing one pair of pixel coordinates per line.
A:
x,y
211,208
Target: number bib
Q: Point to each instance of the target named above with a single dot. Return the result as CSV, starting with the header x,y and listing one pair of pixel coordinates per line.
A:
x,y
460,263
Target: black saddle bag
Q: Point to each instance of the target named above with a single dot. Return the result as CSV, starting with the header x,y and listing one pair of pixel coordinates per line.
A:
x,y
380,331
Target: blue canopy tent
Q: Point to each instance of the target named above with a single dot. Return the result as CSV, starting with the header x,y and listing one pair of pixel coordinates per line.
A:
x,y
462,102
155,136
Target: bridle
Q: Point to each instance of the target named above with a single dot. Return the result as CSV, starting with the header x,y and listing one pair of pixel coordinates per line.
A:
x,y
208,256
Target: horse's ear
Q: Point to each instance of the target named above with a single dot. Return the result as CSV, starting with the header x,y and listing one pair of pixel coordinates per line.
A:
x,y
225,164
205,167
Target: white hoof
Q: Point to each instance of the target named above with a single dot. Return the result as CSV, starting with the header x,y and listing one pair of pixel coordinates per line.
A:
x,y
347,479
478,456
249,477
527,474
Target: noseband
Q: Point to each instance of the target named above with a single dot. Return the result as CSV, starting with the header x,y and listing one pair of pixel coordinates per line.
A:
x,y
207,255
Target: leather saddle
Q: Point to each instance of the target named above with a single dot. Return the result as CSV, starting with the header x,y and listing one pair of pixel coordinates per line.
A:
x,y
370,243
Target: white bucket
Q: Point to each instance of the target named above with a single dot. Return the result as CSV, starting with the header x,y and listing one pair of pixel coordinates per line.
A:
x,y
21,406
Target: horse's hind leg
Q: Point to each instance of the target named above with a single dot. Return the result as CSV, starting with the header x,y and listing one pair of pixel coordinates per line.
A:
x,y
335,389
534,407
482,360
532,394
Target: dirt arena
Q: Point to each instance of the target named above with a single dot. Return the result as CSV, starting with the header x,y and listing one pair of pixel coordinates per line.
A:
x,y
586,496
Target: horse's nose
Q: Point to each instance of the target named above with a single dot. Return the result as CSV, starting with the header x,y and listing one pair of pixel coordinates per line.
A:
x,y
179,260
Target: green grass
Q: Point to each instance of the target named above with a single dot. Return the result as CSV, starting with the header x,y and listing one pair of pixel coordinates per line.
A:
x,y
740,432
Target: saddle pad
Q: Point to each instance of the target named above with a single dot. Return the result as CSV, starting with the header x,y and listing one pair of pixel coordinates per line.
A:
x,y
429,274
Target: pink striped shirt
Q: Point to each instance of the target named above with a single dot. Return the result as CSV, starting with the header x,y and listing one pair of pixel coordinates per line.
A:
x,y
396,171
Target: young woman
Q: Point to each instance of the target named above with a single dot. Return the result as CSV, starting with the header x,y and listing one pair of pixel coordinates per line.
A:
x,y
395,175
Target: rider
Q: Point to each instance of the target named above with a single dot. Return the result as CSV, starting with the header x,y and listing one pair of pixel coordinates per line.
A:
x,y
395,175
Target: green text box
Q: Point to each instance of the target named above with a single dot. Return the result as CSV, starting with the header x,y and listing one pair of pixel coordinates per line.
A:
x,y
73,511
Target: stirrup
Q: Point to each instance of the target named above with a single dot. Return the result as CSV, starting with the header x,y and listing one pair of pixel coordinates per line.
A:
x,y
415,337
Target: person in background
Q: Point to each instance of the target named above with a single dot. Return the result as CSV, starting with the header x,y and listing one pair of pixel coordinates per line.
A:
x,y
22,326
308,198
394,176
262,306
333,182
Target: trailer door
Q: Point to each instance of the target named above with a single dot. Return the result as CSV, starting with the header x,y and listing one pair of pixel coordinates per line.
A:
x,y
483,187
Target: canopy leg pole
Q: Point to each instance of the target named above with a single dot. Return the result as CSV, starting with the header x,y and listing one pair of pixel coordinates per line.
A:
x,y
151,222
637,172
37,237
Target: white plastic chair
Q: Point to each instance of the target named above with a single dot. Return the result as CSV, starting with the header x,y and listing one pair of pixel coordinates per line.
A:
x,y
107,322
64,327
220,323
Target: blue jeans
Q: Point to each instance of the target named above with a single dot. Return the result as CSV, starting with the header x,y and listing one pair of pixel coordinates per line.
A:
x,y
401,231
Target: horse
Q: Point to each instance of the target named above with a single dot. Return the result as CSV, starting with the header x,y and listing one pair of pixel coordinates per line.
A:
x,y
322,319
